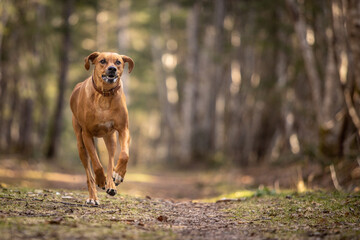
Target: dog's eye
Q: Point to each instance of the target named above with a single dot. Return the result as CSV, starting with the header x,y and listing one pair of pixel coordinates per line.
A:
x,y
103,61
117,62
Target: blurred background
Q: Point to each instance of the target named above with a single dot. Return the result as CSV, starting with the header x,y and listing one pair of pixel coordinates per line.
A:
x,y
235,85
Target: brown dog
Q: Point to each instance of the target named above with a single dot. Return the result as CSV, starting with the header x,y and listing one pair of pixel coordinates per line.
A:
x,y
99,110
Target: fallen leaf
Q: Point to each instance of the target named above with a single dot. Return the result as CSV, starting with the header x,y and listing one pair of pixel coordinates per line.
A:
x,y
162,218
56,221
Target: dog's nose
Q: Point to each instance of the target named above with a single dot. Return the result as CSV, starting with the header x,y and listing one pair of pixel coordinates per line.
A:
x,y
111,69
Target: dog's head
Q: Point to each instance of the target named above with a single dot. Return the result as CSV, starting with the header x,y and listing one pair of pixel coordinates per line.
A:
x,y
108,66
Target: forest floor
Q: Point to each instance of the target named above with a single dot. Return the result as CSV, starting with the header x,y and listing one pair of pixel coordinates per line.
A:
x,y
39,204
57,214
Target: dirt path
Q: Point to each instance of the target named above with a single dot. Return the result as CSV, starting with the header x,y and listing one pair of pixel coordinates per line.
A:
x,y
62,215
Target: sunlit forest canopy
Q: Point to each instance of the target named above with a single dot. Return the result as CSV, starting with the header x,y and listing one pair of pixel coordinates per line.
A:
x,y
215,83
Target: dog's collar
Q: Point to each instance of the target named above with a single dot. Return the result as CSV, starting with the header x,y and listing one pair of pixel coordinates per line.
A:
x,y
106,93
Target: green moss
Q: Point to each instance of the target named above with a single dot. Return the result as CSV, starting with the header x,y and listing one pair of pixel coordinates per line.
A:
x,y
308,214
233,195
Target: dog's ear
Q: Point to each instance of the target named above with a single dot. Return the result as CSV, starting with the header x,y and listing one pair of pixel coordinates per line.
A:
x,y
91,58
129,61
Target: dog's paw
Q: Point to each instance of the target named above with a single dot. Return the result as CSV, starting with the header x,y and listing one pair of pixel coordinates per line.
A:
x,y
92,202
110,188
111,191
100,178
117,178
103,188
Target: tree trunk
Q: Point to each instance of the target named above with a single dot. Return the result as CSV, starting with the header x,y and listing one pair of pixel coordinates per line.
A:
x,y
280,141
326,101
297,16
329,128
13,107
101,27
55,130
3,91
340,49
217,78
351,91
3,83
242,101
168,116
25,128
353,33
42,123
123,38
191,85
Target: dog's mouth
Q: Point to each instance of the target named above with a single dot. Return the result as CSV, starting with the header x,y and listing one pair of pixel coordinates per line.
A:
x,y
110,78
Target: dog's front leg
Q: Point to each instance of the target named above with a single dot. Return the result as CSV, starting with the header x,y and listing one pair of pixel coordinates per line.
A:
x,y
120,168
100,178
85,161
110,142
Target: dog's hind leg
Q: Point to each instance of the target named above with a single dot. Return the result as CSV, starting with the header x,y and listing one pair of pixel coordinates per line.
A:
x,y
84,157
120,168
110,142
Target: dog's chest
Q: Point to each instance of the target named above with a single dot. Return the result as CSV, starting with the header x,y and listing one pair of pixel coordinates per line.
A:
x,y
103,128
104,104
106,125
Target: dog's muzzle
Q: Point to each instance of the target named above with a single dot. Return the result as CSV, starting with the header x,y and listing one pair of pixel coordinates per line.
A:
x,y
111,75
109,78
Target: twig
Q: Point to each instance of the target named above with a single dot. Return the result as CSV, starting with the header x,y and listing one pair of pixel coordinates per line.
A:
x,y
334,178
229,200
